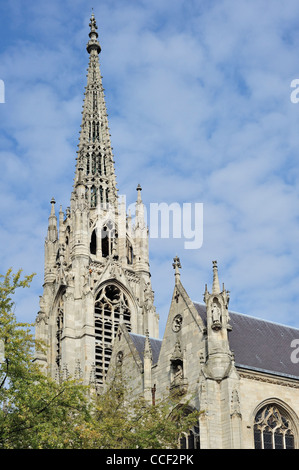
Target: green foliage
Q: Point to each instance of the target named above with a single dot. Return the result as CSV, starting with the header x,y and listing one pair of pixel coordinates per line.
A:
x,y
122,420
37,412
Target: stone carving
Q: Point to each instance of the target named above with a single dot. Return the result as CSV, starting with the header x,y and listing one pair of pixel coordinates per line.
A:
x,y
148,304
119,358
235,404
179,383
216,316
177,323
41,316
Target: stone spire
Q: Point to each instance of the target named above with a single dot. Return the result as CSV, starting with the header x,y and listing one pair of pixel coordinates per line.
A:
x,y
95,152
216,284
176,266
219,354
52,226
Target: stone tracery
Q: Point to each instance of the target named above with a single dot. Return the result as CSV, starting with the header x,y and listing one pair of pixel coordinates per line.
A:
x,y
273,429
111,308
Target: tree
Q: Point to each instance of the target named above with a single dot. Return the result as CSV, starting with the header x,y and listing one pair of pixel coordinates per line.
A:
x,y
40,413
124,420
36,412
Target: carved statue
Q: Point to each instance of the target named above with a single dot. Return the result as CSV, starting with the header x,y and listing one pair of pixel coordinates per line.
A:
x,y
178,373
216,314
177,323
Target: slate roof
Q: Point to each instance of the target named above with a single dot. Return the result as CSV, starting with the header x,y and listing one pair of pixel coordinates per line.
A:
x,y
259,344
139,342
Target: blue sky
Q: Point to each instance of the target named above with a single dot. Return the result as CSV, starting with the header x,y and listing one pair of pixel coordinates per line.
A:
x,y
198,97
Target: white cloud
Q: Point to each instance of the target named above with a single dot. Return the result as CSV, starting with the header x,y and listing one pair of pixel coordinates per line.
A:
x,y
198,98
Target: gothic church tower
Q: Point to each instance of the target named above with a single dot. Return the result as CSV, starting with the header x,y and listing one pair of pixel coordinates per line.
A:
x,y
96,261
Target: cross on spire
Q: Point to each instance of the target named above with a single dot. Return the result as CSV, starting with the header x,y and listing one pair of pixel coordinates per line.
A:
x,y
176,266
93,43
216,285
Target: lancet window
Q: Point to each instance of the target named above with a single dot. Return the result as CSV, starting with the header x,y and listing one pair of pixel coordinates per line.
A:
x,y
109,239
95,162
93,197
95,131
94,100
111,306
273,429
191,439
93,243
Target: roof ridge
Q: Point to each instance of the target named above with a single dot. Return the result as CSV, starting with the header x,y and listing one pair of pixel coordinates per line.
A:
x,y
144,336
252,316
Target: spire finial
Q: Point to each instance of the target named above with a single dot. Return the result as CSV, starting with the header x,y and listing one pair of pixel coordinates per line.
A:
x,y
176,266
53,202
80,179
93,43
139,189
216,285
52,226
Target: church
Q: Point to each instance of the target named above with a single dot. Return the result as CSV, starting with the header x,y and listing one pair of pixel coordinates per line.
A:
x,y
97,313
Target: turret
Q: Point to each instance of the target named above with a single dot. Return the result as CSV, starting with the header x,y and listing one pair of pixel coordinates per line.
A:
x,y
219,354
52,225
51,244
140,235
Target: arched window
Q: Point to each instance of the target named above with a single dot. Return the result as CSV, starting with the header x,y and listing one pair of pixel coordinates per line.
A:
x,y
94,100
111,306
100,164
95,131
93,197
105,242
93,243
109,236
87,164
93,163
190,440
273,429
